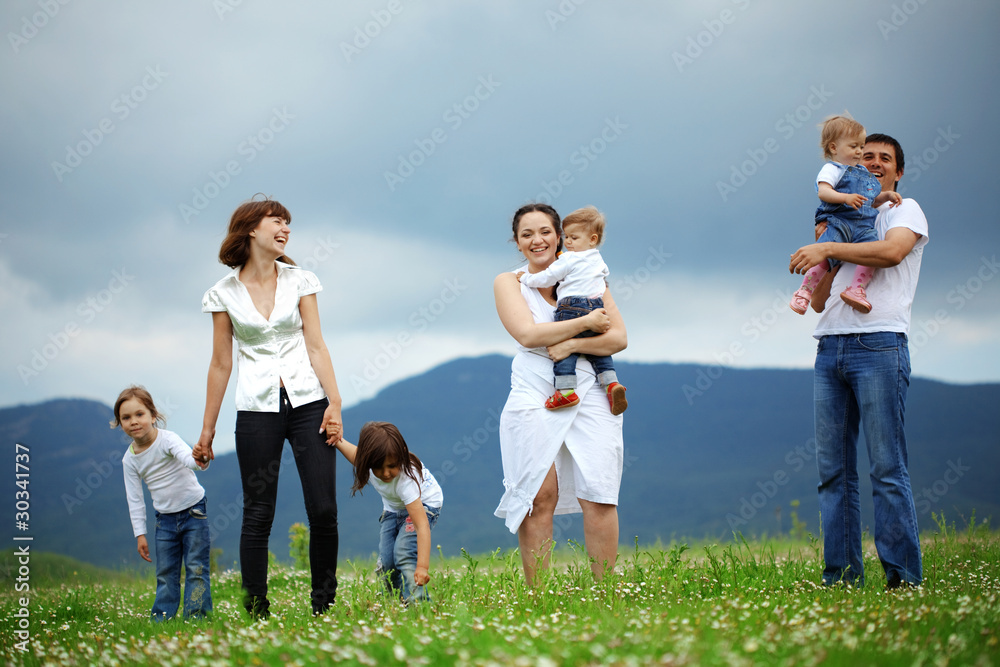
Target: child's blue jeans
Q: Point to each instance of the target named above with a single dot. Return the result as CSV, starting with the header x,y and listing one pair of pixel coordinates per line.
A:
x,y
846,224
182,537
397,553
570,308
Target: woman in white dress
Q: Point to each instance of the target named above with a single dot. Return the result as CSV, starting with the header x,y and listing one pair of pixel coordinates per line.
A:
x,y
565,461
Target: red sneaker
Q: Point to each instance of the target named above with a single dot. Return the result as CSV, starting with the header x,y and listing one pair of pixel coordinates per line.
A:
x,y
557,401
616,398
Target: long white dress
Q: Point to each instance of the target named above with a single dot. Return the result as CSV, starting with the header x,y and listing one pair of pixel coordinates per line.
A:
x,y
584,442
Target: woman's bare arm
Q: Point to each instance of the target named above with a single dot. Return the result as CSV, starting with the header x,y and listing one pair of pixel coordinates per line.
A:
x,y
319,357
611,342
219,370
517,320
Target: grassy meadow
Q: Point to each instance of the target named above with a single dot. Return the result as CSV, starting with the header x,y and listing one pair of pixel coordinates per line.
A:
x,y
737,603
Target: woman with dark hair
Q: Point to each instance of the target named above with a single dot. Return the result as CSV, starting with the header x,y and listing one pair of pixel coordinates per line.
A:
x,y
570,460
286,390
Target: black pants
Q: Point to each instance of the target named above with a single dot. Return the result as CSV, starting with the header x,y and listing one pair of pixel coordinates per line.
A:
x,y
260,438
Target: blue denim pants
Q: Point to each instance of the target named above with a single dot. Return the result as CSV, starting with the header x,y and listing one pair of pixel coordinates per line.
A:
x,y
182,537
862,379
397,553
571,308
260,439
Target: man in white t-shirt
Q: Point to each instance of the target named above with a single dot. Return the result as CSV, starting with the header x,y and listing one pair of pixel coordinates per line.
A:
x,y
861,376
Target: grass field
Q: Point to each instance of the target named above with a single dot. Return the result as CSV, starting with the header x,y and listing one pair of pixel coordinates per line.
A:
x,y
738,603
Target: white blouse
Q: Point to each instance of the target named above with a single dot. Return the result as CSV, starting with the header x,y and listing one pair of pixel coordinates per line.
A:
x,y
272,350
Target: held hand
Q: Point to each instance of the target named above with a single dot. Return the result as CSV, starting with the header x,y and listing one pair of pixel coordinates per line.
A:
x,y
333,425
598,321
855,200
421,577
518,275
820,229
806,257
143,548
202,451
894,198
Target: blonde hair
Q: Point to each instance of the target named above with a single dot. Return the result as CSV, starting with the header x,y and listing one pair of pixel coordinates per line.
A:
x,y
590,218
836,128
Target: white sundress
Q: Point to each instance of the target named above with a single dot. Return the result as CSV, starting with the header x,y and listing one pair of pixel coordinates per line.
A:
x,y
584,441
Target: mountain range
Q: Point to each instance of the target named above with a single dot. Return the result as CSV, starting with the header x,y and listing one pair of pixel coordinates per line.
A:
x,y
709,450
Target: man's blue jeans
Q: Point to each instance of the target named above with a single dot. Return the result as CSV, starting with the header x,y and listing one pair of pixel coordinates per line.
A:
x,y
182,537
863,378
397,552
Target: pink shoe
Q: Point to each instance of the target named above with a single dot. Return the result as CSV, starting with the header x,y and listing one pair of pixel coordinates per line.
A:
x,y
856,298
800,301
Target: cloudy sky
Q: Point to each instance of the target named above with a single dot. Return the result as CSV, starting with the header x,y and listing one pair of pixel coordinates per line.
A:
x,y
402,136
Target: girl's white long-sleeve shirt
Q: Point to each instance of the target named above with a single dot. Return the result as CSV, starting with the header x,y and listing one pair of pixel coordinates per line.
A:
x,y
167,466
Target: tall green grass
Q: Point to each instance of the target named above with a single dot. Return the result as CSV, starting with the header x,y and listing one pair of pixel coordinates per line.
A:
x,y
742,602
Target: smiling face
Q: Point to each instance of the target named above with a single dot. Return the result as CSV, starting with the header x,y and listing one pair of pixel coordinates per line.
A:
x,y
137,421
847,150
537,239
388,470
880,160
270,237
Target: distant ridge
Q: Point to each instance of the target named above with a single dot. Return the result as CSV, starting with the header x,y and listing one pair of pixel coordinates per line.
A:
x,y
732,454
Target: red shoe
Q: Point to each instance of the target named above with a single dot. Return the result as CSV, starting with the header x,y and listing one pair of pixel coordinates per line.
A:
x,y
557,401
856,298
616,398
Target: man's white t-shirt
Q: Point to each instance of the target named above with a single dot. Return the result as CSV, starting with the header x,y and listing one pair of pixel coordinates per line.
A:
x,y
402,491
891,289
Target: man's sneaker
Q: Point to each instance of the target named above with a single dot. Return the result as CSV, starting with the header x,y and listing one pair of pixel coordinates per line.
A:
x,y
616,398
800,301
557,401
856,298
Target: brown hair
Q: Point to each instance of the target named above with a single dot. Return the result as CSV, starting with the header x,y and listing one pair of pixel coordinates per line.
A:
x,y
836,128
591,219
140,394
235,249
377,442
540,208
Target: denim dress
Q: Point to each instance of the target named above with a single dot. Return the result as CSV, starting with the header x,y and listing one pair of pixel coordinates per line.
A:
x,y
846,224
